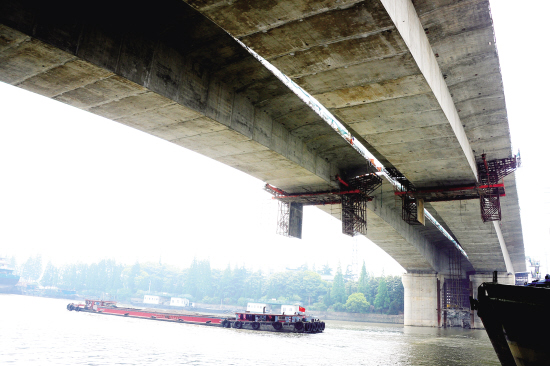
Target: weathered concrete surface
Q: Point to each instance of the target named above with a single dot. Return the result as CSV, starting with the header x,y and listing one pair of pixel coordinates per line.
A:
x,y
184,80
152,85
418,249
172,73
419,82
421,299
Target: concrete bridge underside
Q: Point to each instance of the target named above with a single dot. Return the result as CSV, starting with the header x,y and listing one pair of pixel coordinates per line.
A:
x,y
417,83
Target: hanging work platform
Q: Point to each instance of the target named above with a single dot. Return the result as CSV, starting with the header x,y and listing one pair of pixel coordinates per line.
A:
x,y
353,198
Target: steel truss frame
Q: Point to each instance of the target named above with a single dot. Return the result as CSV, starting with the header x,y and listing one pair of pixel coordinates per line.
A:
x,y
456,287
353,200
409,211
490,173
354,214
488,190
489,203
283,218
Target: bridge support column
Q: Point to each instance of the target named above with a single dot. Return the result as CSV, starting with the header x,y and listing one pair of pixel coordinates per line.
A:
x,y
421,295
295,220
476,280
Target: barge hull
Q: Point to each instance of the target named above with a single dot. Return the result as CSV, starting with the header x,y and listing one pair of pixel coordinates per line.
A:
x,y
516,320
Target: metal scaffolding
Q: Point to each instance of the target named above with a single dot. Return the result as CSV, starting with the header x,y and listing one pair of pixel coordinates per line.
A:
x,y
353,198
354,214
283,218
488,189
489,202
456,287
456,308
409,211
491,173
409,204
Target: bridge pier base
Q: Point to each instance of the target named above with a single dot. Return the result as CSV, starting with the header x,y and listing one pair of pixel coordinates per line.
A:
x,y
421,299
476,280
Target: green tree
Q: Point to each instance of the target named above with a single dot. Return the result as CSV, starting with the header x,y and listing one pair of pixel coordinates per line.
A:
x,y
363,282
349,274
357,303
134,273
351,287
382,300
338,292
312,285
50,276
396,292
327,300
394,308
227,285
32,269
326,270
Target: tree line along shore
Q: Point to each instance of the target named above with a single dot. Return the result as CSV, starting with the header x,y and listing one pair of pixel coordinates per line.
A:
x,y
322,289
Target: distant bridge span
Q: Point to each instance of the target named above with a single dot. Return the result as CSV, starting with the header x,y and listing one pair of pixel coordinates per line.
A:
x,y
418,84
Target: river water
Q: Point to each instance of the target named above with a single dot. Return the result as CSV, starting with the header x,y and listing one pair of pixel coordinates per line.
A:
x,y
40,331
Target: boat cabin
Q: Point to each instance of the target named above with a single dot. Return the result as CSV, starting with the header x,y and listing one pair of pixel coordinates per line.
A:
x,y
292,310
94,304
259,308
261,312
176,301
250,317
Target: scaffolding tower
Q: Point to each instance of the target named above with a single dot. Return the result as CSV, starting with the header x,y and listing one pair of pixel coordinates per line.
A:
x,y
488,189
353,198
456,291
490,173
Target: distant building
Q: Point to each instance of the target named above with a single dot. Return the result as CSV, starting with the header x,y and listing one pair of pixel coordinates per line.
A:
x,y
176,301
149,299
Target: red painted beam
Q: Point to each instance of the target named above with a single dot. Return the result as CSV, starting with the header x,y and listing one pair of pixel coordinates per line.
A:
x,y
318,194
280,191
466,188
341,180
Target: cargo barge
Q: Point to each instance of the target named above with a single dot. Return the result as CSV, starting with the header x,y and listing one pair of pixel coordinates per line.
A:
x,y
294,321
516,320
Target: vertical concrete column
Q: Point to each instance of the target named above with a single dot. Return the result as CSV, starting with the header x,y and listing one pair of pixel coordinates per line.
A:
x,y
421,299
477,279
295,220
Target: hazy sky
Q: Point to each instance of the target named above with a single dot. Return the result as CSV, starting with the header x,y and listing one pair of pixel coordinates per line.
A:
x,y
81,187
77,187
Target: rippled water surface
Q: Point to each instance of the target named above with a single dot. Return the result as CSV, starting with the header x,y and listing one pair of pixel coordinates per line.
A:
x,y
40,331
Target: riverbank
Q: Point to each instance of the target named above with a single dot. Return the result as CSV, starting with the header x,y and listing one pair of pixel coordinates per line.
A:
x,y
324,315
229,309
355,317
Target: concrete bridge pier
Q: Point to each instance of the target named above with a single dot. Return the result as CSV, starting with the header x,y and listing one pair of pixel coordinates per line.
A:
x,y
422,291
424,297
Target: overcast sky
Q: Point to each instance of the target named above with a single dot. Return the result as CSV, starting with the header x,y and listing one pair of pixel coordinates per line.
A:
x,y
78,187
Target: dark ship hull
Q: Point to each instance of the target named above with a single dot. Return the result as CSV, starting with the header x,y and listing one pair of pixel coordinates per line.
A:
x,y
517,320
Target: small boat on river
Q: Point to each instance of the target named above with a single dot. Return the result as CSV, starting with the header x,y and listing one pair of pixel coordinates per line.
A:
x,y
292,318
517,320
